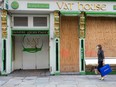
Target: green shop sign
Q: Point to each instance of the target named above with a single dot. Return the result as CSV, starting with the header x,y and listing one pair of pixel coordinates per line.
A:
x,y
38,5
114,7
33,32
15,5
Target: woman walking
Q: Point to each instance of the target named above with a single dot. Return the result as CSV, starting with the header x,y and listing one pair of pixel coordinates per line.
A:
x,y
100,55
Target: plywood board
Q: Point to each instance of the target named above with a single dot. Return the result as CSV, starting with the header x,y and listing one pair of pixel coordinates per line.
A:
x,y
100,30
69,45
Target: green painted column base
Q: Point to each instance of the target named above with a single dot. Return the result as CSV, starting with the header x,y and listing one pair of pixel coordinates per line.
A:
x,y
57,73
3,73
83,73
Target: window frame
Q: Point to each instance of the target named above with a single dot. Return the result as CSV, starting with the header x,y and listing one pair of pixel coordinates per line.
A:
x,y
42,26
30,22
20,26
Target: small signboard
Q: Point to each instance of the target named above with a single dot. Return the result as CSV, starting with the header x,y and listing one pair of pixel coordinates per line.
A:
x,y
38,5
34,32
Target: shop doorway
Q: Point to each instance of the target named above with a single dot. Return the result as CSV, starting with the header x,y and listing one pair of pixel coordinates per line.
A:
x,y
69,44
30,52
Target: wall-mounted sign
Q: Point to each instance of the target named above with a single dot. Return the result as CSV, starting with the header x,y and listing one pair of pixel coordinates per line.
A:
x,y
15,5
93,7
38,5
81,6
38,32
65,5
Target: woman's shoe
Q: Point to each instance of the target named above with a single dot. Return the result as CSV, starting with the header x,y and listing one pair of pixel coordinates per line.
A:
x,y
96,71
101,78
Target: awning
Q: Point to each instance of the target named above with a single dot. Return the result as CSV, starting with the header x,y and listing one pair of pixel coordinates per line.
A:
x,y
70,13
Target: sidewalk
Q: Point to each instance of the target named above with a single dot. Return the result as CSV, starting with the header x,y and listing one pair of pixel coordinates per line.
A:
x,y
58,81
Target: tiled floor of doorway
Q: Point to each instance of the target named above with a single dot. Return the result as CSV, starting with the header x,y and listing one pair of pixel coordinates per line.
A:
x,y
25,73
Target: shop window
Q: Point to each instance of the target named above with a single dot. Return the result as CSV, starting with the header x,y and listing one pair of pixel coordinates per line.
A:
x,y
21,21
40,21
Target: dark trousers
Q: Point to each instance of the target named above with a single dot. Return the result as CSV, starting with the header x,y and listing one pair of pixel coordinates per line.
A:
x,y
100,64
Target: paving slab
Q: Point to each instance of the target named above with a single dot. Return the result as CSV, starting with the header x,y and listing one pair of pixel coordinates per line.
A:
x,y
27,85
2,82
48,85
58,81
9,85
67,85
106,85
31,78
44,80
5,78
28,82
83,85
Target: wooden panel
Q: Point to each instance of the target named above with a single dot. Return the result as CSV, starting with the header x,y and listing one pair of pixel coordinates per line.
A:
x,y
101,31
69,45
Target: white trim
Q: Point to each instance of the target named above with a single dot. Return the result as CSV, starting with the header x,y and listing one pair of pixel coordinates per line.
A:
x,y
95,61
8,47
96,57
30,21
66,5
52,45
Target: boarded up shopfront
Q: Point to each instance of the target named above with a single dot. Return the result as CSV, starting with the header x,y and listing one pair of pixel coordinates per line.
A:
x,y
72,37
100,30
69,44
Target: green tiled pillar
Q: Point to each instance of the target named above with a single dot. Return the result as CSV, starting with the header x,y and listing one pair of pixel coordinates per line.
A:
x,y
82,30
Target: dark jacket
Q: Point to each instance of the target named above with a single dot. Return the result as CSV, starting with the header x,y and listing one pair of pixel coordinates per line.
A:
x,y
100,55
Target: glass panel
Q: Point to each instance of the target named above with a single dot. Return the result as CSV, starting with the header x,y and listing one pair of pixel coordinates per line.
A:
x,y
20,21
40,21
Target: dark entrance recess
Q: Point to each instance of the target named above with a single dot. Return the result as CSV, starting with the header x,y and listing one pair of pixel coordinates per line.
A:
x,y
4,53
82,55
57,55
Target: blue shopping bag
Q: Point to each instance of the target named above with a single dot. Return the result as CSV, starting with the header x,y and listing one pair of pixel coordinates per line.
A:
x,y
106,69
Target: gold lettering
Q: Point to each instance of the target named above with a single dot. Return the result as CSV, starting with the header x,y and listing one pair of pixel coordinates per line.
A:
x,y
98,7
103,7
94,7
60,6
66,7
79,6
87,7
71,4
